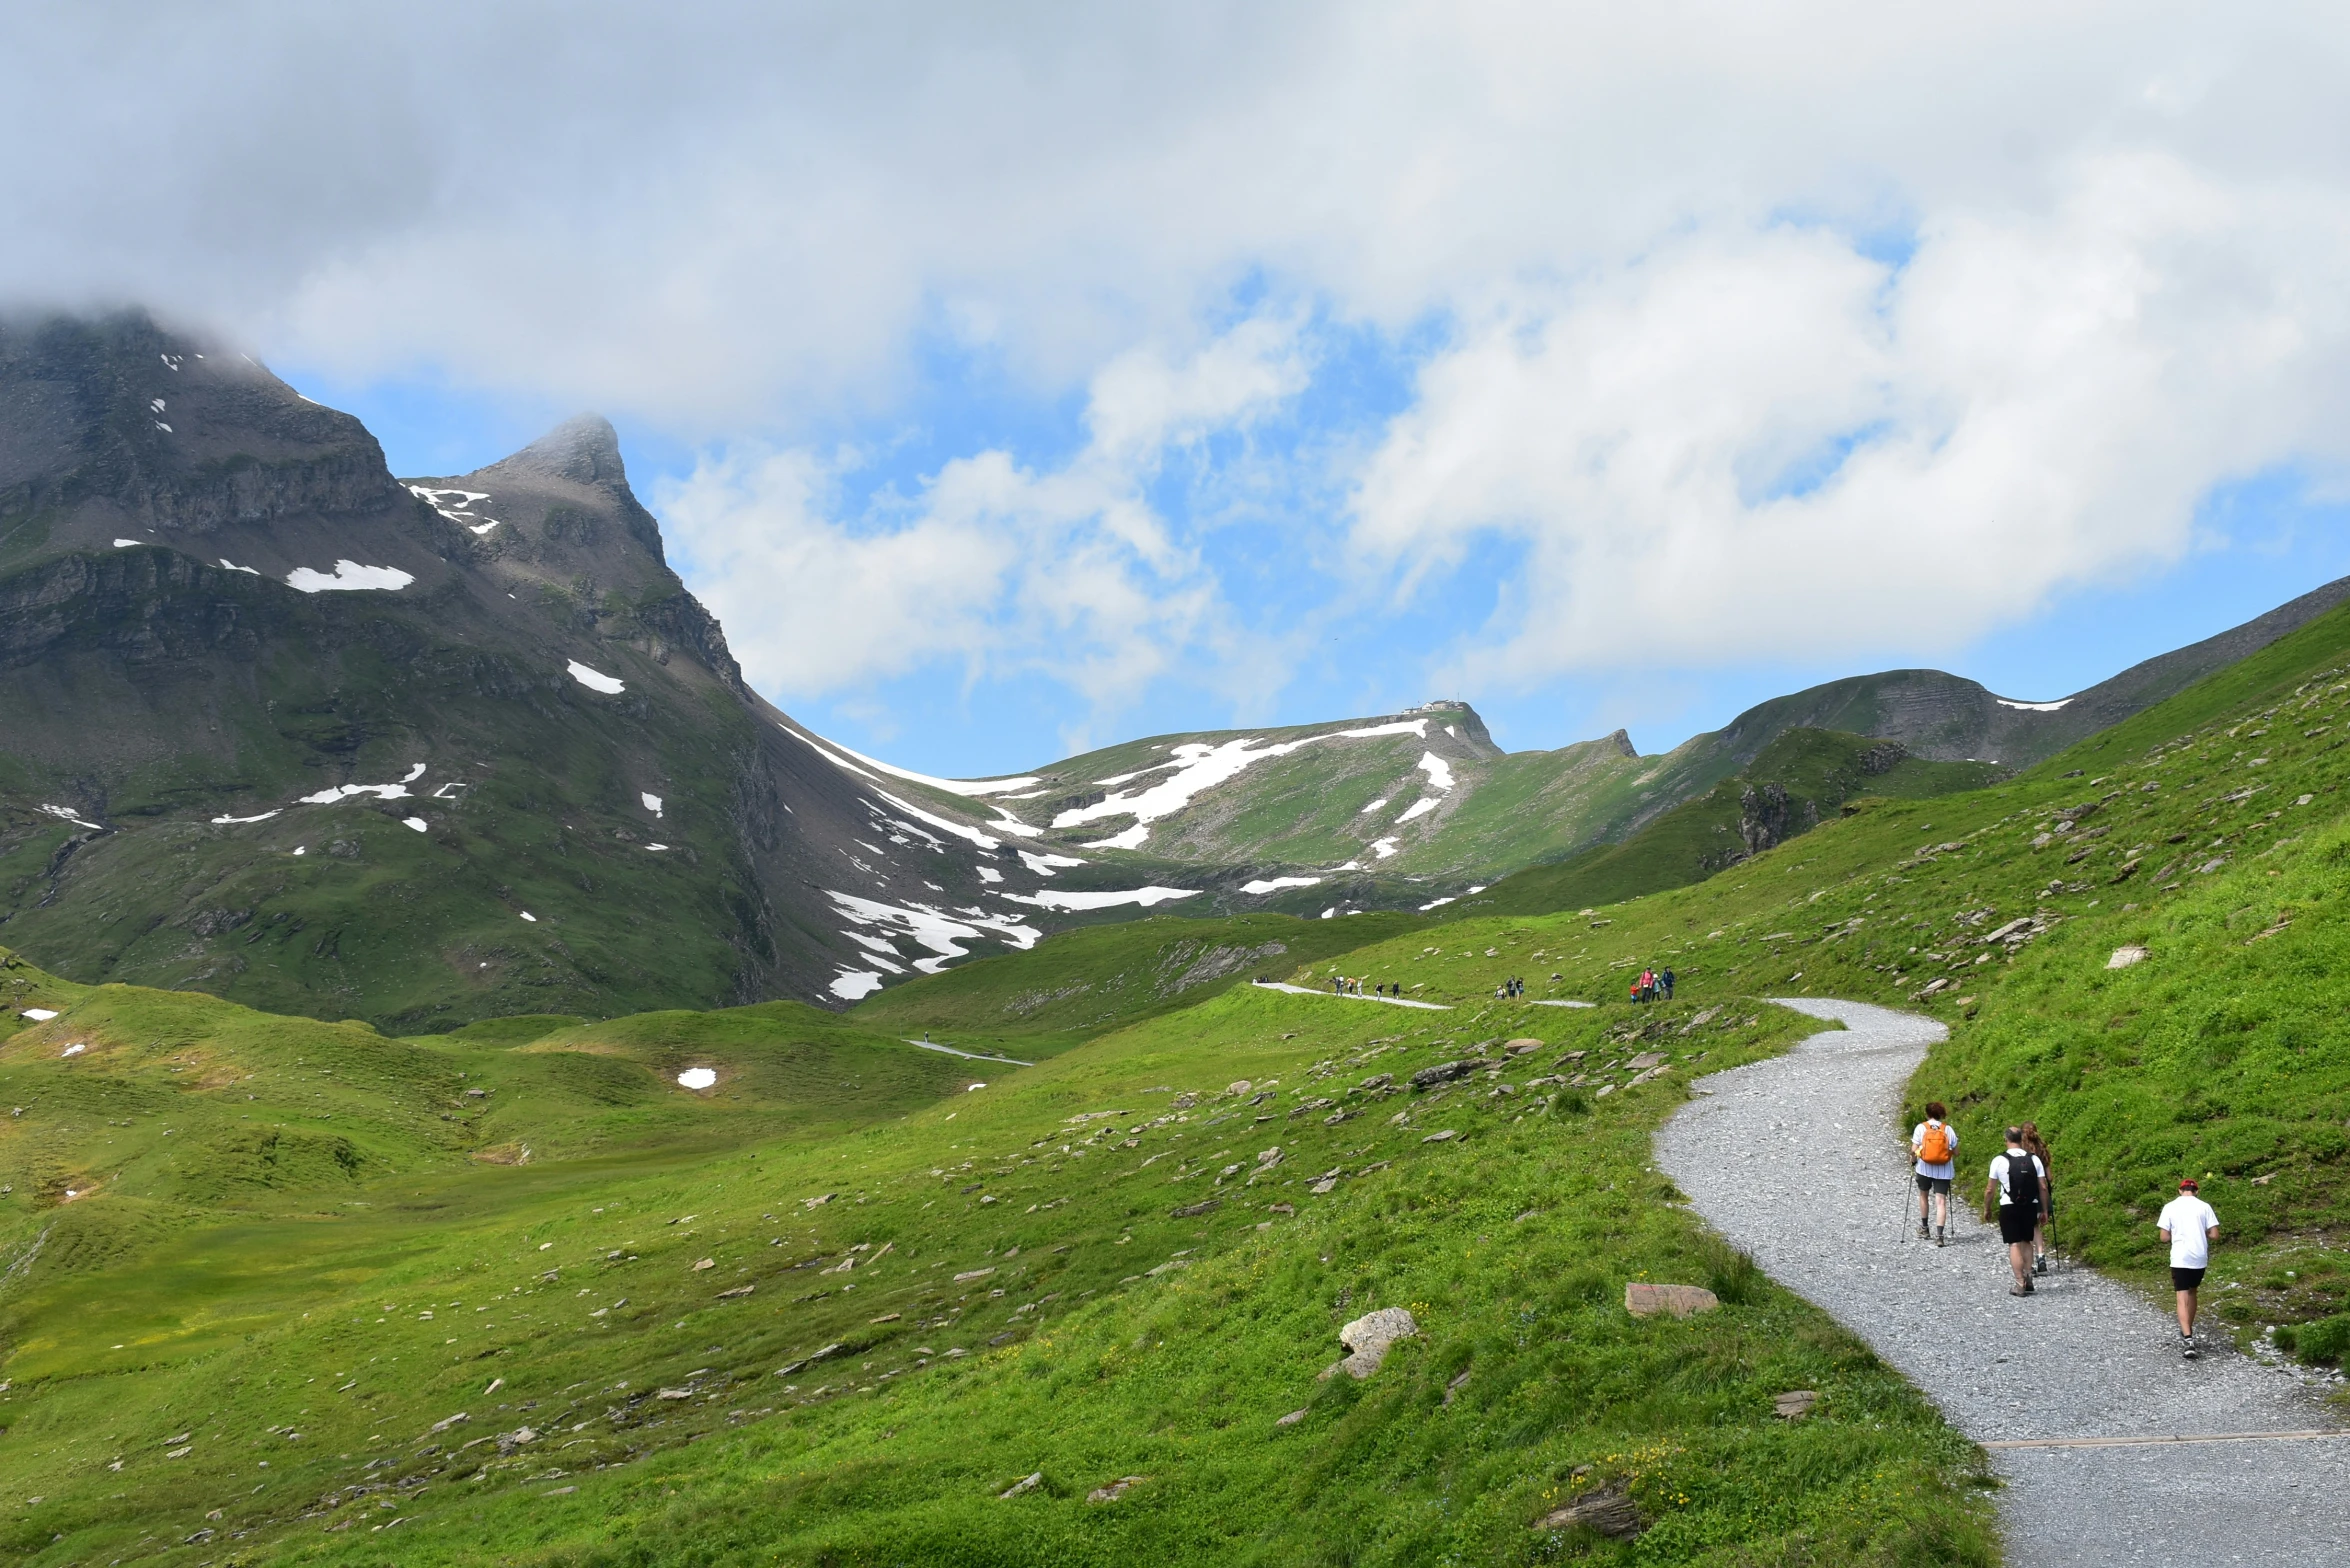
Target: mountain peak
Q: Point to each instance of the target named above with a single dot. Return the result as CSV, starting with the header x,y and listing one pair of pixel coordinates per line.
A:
x,y
584,449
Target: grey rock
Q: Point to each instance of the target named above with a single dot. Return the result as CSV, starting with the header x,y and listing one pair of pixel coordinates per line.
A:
x,y
1368,1338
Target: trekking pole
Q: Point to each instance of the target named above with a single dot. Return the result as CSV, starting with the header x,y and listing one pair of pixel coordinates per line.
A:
x,y
1905,1207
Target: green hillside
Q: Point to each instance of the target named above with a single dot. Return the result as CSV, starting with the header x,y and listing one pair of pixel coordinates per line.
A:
x,y
833,1306
1800,779
251,1333
1087,982
2208,832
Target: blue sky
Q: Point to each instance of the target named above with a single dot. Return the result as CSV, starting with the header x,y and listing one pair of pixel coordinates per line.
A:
x,y
1012,380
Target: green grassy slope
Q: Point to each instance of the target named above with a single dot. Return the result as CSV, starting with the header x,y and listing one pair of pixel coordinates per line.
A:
x,y
265,1374
2216,843
1087,982
1169,1286
1814,773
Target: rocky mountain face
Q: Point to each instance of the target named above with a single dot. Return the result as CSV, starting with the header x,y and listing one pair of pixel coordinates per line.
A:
x,y
285,728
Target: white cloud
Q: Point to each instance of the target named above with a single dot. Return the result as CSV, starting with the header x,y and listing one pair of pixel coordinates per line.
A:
x,y
993,566
1645,238
1757,435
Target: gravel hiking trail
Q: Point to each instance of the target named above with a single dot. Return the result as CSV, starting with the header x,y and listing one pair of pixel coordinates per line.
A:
x,y
1799,1161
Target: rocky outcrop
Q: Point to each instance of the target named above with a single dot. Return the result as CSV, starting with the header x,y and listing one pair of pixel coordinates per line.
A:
x,y
1367,1340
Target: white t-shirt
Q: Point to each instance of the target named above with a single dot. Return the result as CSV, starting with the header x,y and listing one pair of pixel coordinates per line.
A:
x,y
2190,1222
1999,1174
1917,1141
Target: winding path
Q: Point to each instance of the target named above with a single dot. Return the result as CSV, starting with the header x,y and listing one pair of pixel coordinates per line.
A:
x,y
1799,1161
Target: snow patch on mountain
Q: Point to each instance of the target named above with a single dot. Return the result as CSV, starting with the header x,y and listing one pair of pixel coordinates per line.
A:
x,y
457,506
1131,838
264,817
864,763
962,830
1200,767
942,934
652,802
1264,885
327,797
2033,707
1420,808
348,576
853,984
597,680
1438,770
1043,865
1147,897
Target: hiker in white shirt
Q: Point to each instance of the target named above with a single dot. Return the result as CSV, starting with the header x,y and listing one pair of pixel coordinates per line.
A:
x,y
2190,1226
1934,1136
2018,1177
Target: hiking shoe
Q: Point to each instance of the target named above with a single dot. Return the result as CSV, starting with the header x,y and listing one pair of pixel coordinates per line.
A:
x,y
2040,1264
2188,1349
1921,1230
2019,1290
1939,1238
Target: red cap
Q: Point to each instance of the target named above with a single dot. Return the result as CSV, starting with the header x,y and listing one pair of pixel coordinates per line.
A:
x,y
2186,1184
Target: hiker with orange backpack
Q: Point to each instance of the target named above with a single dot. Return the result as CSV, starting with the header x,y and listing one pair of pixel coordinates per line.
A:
x,y
1933,1144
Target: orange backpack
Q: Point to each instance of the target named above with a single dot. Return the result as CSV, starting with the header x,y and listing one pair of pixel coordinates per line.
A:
x,y
1934,1145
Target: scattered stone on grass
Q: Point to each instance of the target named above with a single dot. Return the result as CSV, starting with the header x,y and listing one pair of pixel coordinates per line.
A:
x,y
1027,1483
1644,1300
1291,1419
1116,1489
1608,1510
1443,1072
1456,1385
1795,1404
2123,957
1194,1210
1367,1340
1445,1136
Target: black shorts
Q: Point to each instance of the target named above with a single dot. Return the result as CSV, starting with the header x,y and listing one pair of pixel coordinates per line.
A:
x,y
1940,1184
2185,1279
2017,1221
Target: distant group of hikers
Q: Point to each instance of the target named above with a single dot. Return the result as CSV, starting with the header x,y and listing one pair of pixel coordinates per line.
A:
x,y
1510,989
1346,985
2020,1194
1652,986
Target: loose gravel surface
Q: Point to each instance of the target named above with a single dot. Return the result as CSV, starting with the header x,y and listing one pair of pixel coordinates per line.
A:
x,y
1799,1160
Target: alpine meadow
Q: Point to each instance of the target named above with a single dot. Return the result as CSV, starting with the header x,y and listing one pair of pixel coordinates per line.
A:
x,y
1329,786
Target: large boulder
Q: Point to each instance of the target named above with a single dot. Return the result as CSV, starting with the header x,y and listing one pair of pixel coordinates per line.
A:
x,y
1644,1300
1367,1339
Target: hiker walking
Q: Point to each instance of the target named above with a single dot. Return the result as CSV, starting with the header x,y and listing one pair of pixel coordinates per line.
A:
x,y
1933,1145
1667,979
2190,1226
2039,1147
2018,1179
